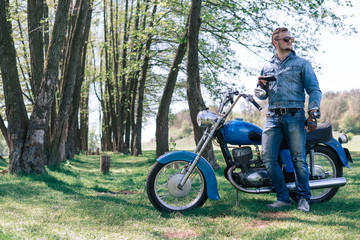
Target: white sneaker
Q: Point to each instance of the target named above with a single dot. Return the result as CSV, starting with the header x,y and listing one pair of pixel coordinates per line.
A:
x,y
303,205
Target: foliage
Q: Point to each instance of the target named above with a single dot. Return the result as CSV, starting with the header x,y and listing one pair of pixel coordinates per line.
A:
x,y
342,110
93,140
226,25
78,202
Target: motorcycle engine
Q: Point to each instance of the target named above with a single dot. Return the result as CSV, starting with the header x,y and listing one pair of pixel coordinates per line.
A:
x,y
242,157
249,176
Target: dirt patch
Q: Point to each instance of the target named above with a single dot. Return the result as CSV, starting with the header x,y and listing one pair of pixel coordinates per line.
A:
x,y
274,215
270,217
258,224
181,234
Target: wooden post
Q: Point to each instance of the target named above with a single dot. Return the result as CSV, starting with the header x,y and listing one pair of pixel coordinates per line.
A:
x,y
105,164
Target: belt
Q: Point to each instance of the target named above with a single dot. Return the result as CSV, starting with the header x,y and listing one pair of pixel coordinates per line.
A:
x,y
283,111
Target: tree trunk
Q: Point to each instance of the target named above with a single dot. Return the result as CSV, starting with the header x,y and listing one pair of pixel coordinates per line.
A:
x,y
162,118
135,79
74,109
114,93
33,156
84,117
140,100
123,90
109,111
105,164
35,10
24,47
73,61
195,100
15,108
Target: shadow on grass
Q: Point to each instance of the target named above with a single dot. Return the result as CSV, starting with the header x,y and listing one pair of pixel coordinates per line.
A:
x,y
55,183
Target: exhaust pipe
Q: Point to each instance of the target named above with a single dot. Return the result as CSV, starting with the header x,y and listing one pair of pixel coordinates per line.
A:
x,y
323,183
314,184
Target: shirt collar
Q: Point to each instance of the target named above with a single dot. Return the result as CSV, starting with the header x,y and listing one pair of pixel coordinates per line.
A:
x,y
276,59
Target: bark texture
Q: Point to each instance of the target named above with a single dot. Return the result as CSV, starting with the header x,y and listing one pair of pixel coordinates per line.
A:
x,y
72,61
35,9
195,100
162,117
15,108
34,157
140,100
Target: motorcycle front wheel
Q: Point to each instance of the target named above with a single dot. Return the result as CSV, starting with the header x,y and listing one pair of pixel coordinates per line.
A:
x,y
327,165
163,192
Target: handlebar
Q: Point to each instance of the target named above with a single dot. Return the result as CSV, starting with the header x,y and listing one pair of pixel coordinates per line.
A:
x,y
250,98
256,105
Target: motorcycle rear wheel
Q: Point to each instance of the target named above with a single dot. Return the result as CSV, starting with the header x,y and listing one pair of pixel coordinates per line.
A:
x,y
162,190
327,165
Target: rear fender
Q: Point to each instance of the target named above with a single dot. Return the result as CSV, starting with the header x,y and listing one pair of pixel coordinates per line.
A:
x,y
337,147
203,165
334,144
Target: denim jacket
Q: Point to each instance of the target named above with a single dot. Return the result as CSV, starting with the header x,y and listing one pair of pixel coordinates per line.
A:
x,y
294,75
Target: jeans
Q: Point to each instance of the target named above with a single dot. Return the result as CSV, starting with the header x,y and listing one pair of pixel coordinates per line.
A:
x,y
291,129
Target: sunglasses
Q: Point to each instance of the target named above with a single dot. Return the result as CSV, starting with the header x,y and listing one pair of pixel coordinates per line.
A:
x,y
287,39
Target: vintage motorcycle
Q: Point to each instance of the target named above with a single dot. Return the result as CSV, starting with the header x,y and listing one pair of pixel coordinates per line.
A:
x,y
183,180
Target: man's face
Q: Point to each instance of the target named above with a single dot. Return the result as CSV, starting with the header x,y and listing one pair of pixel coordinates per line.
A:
x,y
283,41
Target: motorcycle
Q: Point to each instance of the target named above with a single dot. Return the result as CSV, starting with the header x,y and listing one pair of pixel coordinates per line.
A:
x,y
184,180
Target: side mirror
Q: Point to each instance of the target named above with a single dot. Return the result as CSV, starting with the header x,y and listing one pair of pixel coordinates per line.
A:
x,y
260,93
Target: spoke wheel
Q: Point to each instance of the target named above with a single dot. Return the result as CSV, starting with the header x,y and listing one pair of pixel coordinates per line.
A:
x,y
327,165
163,192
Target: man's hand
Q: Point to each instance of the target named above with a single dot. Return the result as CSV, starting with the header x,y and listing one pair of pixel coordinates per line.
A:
x,y
262,83
310,124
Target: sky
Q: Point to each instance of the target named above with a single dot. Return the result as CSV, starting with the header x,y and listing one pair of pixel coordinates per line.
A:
x,y
338,57
340,61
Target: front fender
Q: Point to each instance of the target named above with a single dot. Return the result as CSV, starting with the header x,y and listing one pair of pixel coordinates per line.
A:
x,y
203,165
334,144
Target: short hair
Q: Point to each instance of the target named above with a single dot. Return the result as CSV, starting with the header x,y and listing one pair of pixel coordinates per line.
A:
x,y
277,31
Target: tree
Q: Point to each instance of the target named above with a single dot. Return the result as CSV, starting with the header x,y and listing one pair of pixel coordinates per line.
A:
x,y
162,117
18,121
78,35
72,140
35,9
33,158
195,100
140,99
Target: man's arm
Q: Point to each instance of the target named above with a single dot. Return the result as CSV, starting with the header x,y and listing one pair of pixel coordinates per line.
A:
x,y
312,87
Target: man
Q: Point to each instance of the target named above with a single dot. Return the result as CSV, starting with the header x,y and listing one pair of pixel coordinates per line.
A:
x,y
285,120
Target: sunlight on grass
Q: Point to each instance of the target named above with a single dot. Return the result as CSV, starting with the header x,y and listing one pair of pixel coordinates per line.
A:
x,y
78,202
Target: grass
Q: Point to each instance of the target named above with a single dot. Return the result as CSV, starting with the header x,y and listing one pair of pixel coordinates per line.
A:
x,y
78,202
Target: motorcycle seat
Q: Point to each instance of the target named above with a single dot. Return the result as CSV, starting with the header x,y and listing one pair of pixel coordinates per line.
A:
x,y
322,133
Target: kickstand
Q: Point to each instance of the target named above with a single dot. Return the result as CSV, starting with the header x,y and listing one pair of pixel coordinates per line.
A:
x,y
237,198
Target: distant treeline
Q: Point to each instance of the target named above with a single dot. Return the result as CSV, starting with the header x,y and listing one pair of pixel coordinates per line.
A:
x,y
341,109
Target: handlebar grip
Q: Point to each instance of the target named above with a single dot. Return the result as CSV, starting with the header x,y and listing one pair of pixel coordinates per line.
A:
x,y
256,104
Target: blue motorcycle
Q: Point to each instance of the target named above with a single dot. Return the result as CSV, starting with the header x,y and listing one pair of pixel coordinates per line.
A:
x,y
183,180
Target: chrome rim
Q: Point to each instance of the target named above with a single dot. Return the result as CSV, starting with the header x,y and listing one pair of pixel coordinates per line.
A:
x,y
324,168
170,195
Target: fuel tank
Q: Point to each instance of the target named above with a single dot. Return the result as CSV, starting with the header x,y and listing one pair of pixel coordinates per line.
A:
x,y
239,132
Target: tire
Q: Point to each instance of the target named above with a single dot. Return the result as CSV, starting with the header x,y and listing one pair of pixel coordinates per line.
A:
x,y
327,165
162,191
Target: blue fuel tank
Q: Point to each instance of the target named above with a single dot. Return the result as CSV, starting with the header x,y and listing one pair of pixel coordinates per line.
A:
x,y
238,132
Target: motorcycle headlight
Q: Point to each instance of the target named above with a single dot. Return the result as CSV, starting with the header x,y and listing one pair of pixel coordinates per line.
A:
x,y
206,118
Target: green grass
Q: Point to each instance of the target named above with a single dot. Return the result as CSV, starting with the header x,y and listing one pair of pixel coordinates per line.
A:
x,y
78,202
